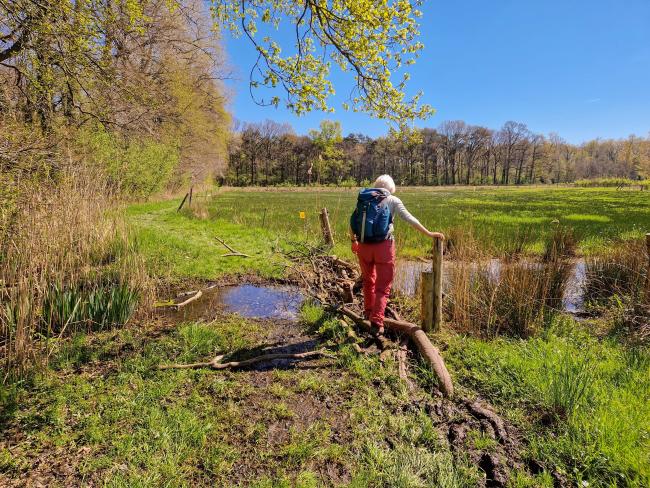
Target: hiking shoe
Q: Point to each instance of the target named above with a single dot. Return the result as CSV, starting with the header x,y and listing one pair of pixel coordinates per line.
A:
x,y
379,329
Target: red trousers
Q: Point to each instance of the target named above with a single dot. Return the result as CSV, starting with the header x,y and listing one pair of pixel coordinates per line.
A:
x,y
377,261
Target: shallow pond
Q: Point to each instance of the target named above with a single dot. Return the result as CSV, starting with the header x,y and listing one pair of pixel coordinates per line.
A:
x,y
251,301
408,273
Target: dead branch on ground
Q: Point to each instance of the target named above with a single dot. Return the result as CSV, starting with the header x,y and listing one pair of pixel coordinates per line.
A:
x,y
232,252
216,363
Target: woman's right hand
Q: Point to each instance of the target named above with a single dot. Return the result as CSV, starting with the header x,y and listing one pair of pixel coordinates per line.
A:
x,y
437,235
355,246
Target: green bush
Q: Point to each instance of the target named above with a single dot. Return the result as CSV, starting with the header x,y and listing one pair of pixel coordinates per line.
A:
x,y
612,182
137,167
101,306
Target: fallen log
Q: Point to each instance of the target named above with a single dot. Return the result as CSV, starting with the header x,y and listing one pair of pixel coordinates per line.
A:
x,y
402,365
196,296
216,363
428,351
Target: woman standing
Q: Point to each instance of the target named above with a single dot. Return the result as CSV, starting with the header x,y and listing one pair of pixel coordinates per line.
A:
x,y
374,244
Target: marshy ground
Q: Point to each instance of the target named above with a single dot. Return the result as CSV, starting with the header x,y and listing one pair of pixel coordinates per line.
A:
x,y
103,414
572,400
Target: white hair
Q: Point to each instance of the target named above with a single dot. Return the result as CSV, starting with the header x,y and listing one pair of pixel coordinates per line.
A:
x,y
386,182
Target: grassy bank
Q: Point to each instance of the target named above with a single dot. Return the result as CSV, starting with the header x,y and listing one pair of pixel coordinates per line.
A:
x,y
102,414
183,245
583,402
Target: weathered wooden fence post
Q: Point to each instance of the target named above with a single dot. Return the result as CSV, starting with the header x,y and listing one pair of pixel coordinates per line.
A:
x,y
325,227
432,291
191,194
647,273
183,202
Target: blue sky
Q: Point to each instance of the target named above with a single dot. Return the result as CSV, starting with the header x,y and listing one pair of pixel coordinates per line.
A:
x,y
575,67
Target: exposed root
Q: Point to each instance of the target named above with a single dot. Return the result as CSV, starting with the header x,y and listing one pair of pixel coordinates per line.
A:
x,y
402,363
480,412
428,351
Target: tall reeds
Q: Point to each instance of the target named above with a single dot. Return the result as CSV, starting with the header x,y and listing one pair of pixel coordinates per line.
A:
x,y
619,273
66,262
515,296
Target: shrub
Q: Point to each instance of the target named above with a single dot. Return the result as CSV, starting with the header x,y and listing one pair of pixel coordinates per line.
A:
x,y
137,167
612,182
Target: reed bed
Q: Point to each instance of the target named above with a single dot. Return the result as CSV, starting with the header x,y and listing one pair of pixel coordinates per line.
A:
x,y
66,264
619,274
515,296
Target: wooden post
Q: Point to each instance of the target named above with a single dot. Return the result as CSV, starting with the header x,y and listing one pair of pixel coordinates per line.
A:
x,y
326,228
647,273
426,312
437,284
183,202
191,192
432,292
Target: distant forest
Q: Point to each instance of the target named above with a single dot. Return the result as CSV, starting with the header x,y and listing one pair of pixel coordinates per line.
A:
x,y
455,153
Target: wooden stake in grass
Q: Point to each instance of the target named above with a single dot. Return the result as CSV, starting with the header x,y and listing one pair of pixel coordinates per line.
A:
x,y
432,291
183,202
326,228
647,275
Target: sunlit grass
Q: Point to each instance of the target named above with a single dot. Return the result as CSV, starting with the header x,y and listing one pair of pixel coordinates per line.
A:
x,y
586,400
259,222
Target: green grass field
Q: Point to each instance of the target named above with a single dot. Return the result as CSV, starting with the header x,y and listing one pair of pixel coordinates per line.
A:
x,y
500,218
101,413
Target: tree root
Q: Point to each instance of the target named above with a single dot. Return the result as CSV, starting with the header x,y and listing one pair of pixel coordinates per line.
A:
x,y
480,412
402,364
429,353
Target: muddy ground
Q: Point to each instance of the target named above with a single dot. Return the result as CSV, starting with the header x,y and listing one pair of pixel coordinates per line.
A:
x,y
276,406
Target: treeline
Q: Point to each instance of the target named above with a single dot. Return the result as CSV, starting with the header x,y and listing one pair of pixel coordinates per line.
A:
x,y
455,153
132,88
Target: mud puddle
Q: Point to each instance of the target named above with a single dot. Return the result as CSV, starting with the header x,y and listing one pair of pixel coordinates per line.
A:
x,y
408,275
280,302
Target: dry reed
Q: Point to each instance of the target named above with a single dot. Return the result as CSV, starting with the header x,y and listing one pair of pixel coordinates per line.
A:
x,y
515,296
63,237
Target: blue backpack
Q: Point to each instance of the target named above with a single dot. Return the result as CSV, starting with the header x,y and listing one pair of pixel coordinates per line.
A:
x,y
371,219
